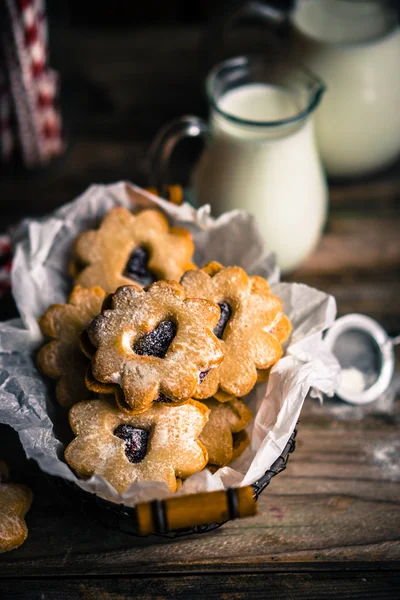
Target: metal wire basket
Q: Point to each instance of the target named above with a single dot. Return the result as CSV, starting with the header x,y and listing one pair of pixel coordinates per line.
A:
x,y
169,518
128,519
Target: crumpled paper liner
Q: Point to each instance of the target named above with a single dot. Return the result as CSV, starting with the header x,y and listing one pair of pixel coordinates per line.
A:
x,y
39,278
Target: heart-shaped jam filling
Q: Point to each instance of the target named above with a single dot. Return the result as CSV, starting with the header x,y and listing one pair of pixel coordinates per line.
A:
x,y
137,267
156,342
224,317
135,442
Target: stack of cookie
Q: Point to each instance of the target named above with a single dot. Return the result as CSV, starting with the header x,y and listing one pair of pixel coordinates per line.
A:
x,y
152,355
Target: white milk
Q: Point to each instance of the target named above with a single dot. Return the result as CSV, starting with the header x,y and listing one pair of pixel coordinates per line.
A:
x,y
355,48
272,172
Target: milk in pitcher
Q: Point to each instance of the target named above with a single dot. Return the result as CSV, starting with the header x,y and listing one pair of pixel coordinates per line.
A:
x,y
262,158
355,47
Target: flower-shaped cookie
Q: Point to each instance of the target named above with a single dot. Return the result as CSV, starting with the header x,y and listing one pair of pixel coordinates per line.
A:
x,y
224,420
251,328
127,247
158,445
15,501
61,358
155,344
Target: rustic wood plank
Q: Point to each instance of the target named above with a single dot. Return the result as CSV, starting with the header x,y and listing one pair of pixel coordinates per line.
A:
x,y
371,292
362,585
381,191
337,502
356,243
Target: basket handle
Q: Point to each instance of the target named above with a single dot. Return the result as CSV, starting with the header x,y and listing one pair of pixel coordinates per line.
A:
x,y
181,512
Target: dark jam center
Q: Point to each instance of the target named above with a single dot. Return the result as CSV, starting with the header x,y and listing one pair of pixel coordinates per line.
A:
x,y
135,442
163,399
203,375
157,342
224,317
137,267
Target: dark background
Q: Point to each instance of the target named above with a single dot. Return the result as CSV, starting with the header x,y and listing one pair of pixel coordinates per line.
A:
x,y
125,13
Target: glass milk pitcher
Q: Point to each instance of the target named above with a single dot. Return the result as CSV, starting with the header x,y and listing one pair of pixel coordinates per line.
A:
x,y
260,153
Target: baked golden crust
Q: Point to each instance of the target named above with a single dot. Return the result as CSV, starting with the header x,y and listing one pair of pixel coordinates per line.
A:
x,y
104,253
225,419
252,336
135,313
15,501
173,449
61,359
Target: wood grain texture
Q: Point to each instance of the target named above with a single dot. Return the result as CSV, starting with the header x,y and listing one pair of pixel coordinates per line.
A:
x,y
356,243
336,503
363,585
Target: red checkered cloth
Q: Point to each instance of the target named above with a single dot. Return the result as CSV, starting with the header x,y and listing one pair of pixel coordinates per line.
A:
x,y
30,123
5,264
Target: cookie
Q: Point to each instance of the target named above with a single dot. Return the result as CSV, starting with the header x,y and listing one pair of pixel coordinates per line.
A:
x,y
158,445
127,247
61,359
241,440
15,501
251,327
225,419
155,345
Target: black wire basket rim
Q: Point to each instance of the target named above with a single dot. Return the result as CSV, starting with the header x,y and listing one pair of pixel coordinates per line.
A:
x,y
122,518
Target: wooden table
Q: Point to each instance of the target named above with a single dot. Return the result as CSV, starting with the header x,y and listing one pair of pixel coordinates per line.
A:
x,y
329,526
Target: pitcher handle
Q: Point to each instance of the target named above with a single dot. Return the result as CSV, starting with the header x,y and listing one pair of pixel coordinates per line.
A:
x,y
164,143
263,10
228,19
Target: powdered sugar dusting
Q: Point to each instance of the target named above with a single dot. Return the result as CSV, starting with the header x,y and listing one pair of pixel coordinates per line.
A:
x,y
387,456
193,349
352,379
172,448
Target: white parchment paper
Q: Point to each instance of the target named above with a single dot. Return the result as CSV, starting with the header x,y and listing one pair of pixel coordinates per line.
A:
x,y
39,278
